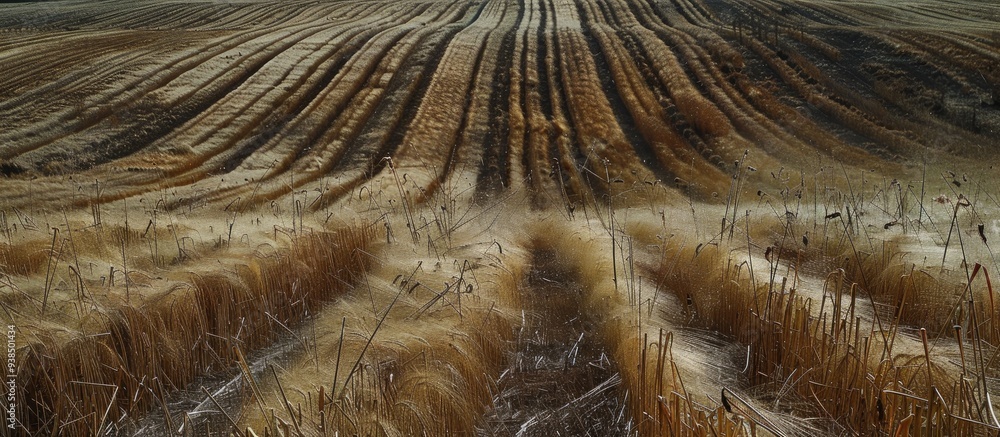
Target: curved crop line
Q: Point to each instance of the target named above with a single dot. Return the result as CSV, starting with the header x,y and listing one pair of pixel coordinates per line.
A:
x,y
187,91
651,120
102,69
431,136
285,101
386,129
24,66
145,84
358,92
353,94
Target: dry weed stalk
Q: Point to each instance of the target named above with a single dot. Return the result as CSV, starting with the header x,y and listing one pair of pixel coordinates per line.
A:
x,y
183,333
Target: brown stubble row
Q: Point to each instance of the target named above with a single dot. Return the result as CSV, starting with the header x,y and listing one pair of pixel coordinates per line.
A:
x,y
414,349
650,117
125,356
863,369
429,150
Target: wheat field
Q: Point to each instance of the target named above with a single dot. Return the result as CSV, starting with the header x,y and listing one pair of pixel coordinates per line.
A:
x,y
500,217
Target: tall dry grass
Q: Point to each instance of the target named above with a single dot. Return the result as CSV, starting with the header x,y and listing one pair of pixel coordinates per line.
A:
x,y
841,355
126,356
415,349
638,341
23,259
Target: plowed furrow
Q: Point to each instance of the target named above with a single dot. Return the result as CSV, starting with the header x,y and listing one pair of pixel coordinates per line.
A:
x,y
349,100
384,132
427,151
495,173
325,52
253,115
200,93
763,133
129,18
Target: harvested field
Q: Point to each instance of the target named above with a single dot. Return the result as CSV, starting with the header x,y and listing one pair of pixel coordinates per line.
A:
x,y
500,217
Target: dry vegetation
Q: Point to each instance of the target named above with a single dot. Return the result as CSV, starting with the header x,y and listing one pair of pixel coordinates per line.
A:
x,y
501,217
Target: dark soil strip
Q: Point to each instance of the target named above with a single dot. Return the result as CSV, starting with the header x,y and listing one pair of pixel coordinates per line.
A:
x,y
494,174
522,98
560,381
541,66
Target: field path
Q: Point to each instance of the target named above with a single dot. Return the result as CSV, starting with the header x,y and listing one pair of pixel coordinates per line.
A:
x,y
560,380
